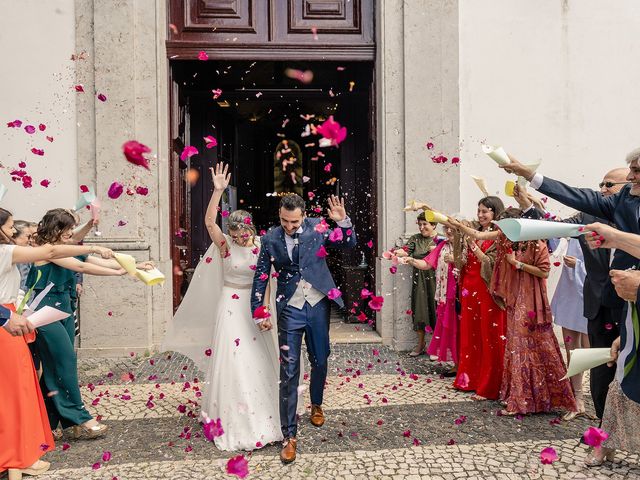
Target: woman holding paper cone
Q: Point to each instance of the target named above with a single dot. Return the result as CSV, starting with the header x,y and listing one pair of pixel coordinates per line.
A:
x,y
533,365
482,321
55,342
25,434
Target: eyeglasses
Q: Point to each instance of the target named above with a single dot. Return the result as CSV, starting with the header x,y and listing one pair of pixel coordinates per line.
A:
x,y
611,184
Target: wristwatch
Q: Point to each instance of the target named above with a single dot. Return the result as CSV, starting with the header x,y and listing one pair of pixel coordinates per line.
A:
x,y
519,265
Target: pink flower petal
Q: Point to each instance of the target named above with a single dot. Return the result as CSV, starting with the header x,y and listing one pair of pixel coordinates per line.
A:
x,y
37,151
375,303
106,456
548,455
429,145
30,129
134,152
322,252
45,183
42,127
321,227
595,436
115,190
202,55
238,466
210,141
336,235
79,88
332,131
188,152
334,293
144,191
102,97
15,124
464,380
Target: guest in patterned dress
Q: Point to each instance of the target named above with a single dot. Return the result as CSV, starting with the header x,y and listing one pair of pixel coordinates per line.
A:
x,y
533,365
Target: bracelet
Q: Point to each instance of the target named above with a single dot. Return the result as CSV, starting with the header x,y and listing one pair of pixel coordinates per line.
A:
x,y
519,265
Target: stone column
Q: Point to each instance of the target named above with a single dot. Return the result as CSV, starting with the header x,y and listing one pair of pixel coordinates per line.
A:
x,y
417,98
125,60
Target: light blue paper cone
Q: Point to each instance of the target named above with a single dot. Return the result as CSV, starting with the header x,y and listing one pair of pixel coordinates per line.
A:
x,y
523,229
85,199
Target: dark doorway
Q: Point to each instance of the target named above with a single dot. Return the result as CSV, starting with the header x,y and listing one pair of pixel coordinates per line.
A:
x,y
259,115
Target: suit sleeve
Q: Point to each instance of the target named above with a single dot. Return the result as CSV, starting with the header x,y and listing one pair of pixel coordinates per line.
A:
x,y
582,199
263,267
5,315
533,213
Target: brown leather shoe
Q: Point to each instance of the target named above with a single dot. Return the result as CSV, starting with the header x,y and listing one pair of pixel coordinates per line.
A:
x,y
288,452
317,416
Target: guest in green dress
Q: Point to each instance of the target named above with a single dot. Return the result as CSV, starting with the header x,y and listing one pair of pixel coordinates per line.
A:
x,y
55,342
423,289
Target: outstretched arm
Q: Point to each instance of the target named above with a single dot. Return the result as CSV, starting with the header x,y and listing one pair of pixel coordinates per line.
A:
x,y
599,235
88,268
220,182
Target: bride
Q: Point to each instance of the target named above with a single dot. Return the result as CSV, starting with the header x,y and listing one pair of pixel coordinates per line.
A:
x,y
214,327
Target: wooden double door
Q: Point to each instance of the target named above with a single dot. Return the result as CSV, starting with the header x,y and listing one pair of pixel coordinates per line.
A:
x,y
259,104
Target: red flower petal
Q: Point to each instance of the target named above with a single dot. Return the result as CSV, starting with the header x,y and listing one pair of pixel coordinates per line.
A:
x,y
202,55
45,183
238,466
30,129
37,151
115,190
188,152
102,97
79,88
42,127
134,152
142,191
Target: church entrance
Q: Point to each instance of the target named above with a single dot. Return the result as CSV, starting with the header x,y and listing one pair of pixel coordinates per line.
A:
x,y
262,115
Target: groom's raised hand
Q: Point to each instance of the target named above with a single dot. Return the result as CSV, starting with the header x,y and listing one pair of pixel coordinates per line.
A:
x,y
336,210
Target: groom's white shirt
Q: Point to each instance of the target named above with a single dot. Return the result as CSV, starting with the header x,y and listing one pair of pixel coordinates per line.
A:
x,y
305,291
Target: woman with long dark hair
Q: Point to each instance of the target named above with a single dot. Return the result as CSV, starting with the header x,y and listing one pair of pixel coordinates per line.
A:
x,y
482,321
55,342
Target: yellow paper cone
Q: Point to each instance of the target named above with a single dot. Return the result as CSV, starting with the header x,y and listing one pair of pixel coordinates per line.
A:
x,y
127,262
508,188
150,277
432,216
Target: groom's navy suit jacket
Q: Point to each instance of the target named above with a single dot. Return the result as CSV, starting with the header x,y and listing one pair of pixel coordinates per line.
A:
x,y
622,209
312,268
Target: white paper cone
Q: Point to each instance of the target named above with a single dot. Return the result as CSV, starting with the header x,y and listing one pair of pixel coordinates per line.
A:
x,y
497,154
583,359
523,229
46,315
482,185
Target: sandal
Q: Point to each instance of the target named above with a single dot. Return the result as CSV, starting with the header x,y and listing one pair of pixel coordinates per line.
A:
x,y
594,460
478,398
98,430
506,413
416,352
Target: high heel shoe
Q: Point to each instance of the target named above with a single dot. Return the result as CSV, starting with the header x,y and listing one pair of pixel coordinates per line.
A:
x,y
80,431
38,468
593,460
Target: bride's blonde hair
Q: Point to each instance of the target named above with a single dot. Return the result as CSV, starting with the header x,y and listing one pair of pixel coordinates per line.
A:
x,y
238,220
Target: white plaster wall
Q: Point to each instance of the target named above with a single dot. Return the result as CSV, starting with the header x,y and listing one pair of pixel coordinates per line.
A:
x,y
37,40
555,80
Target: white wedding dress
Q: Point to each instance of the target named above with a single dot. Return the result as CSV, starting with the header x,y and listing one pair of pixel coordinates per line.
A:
x,y
242,369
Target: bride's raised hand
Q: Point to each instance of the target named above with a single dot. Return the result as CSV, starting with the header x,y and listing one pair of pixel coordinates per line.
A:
x,y
220,176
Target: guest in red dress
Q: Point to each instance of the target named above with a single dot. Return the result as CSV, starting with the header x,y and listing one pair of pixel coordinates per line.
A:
x,y
481,331
533,365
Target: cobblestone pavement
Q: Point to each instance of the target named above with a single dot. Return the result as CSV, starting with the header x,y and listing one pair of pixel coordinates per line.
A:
x,y
388,416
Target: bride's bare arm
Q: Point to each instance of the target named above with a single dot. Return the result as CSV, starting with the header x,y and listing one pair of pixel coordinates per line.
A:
x,y
220,182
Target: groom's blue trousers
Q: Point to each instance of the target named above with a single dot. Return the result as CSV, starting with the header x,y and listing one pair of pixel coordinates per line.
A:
x,y
313,322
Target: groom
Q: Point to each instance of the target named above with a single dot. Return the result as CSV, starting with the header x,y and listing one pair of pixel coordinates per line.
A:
x,y
305,286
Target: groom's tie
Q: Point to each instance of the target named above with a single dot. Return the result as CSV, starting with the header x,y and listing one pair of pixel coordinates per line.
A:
x,y
295,252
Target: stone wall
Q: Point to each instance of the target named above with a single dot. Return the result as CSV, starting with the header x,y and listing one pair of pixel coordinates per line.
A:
x,y
126,61
417,103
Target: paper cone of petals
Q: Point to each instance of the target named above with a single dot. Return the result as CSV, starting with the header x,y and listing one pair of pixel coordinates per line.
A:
x,y
583,359
497,154
433,216
523,229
